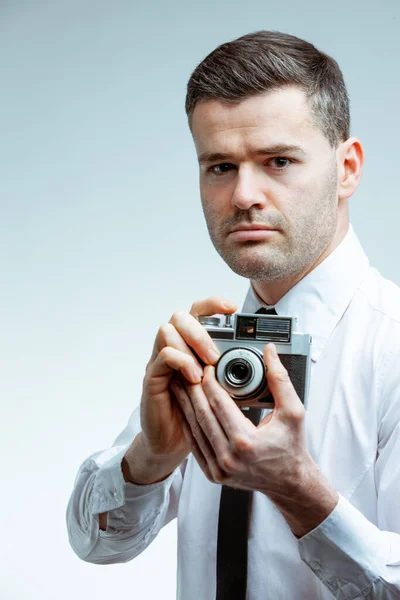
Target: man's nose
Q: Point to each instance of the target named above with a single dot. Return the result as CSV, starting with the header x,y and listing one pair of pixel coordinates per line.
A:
x,y
249,189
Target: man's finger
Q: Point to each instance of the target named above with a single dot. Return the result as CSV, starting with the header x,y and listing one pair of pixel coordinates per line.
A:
x,y
282,390
235,425
212,306
195,336
206,418
168,337
188,412
167,361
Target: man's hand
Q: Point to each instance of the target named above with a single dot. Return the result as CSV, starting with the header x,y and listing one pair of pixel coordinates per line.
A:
x,y
271,458
179,344
161,446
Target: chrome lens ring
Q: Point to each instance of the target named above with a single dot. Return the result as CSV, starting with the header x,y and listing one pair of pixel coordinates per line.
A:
x,y
240,357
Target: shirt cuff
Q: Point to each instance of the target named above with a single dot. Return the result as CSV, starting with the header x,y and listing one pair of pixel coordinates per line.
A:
x,y
345,551
111,491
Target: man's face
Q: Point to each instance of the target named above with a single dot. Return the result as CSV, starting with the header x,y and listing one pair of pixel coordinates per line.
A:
x,y
272,167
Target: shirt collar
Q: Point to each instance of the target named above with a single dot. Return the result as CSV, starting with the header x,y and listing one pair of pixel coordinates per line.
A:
x,y
319,300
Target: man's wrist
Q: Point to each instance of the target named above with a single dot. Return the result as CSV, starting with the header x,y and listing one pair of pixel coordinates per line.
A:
x,y
310,502
141,467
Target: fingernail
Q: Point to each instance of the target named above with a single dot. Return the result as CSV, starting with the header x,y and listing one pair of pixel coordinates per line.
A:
x,y
228,305
273,350
197,374
212,355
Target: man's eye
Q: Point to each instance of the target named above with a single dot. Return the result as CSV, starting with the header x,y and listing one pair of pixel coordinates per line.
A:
x,y
281,162
220,169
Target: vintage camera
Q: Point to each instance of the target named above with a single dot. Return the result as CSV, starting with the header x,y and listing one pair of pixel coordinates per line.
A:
x,y
241,339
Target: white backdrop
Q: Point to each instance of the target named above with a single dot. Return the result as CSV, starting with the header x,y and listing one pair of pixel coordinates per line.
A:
x,y
102,235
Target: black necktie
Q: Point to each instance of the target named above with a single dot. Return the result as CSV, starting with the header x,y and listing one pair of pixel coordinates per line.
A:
x,y
233,529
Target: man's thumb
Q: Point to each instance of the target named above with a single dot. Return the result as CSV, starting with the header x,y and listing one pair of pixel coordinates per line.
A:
x,y
281,388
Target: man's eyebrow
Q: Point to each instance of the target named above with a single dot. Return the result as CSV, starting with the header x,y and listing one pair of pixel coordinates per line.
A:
x,y
209,157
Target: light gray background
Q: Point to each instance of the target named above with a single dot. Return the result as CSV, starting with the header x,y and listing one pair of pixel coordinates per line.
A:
x,y
102,236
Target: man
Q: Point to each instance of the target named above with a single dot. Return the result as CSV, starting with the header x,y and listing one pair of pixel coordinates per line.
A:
x,y
269,116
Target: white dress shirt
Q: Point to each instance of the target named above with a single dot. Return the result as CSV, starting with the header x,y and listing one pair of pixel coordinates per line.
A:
x,y
353,434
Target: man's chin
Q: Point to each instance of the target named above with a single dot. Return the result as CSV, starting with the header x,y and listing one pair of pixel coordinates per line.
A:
x,y
260,269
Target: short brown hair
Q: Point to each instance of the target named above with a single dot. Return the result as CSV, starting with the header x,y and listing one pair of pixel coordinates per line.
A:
x,y
268,60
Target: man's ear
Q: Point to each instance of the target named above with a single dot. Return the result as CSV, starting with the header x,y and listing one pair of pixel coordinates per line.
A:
x,y
350,159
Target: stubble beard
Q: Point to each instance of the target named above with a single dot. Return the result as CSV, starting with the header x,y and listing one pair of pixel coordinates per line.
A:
x,y
290,252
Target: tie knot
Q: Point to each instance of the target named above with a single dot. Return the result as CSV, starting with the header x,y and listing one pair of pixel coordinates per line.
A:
x,y
266,311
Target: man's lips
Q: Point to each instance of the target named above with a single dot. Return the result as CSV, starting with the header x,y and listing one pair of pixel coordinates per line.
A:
x,y
248,227
255,232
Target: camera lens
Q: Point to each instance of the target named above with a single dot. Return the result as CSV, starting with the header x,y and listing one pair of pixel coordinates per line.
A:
x,y
239,371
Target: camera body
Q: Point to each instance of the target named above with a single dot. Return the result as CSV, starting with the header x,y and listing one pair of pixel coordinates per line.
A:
x,y
241,371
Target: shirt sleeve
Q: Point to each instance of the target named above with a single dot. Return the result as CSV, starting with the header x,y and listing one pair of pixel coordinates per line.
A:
x,y
136,513
352,556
